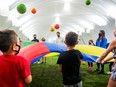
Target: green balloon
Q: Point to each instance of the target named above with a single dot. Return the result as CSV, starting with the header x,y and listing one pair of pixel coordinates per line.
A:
x,y
21,8
88,2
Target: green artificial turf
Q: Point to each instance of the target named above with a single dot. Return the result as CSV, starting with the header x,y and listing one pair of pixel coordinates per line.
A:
x,y
48,75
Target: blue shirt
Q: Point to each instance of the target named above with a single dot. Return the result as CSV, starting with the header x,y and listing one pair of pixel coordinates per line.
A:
x,y
102,42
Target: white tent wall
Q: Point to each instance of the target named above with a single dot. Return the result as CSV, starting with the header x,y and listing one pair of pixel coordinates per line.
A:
x,y
7,24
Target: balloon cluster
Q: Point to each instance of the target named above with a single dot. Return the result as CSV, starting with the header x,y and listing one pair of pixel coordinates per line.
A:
x,y
56,26
88,2
21,8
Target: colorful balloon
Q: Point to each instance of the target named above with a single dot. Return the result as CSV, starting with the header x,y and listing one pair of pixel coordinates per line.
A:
x,y
21,8
52,29
57,26
34,10
83,63
88,2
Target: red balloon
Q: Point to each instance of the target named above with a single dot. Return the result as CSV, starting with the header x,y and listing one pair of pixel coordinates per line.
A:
x,y
57,26
33,11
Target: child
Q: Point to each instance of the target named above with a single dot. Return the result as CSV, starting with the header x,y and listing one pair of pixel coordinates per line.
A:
x,y
14,70
69,62
90,64
43,58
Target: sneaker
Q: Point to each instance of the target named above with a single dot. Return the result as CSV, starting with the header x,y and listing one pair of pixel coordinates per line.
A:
x,y
109,73
91,67
38,62
101,72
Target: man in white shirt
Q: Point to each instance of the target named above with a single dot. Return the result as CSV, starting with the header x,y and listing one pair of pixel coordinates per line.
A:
x,y
59,40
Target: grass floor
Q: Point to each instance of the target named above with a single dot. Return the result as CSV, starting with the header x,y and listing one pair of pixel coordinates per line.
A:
x,y
48,75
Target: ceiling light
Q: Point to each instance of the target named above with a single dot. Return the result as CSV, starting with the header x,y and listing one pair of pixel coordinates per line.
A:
x,y
67,1
57,20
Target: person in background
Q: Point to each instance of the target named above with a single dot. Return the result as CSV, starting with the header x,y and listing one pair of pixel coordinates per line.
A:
x,y
59,40
101,42
69,62
35,40
111,47
14,70
90,64
43,58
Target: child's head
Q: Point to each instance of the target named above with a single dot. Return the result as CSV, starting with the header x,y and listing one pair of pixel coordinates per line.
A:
x,y
71,39
9,42
90,42
43,39
34,36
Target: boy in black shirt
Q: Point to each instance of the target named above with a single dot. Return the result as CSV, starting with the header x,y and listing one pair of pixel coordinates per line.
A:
x,y
69,62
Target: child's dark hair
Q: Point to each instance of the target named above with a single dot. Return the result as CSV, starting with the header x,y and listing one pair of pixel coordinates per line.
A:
x,y
7,38
91,42
71,38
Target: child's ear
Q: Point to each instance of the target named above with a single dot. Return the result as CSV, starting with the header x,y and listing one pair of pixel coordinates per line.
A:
x,y
14,47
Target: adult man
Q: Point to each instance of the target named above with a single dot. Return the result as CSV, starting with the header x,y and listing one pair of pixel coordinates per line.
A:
x,y
35,40
59,40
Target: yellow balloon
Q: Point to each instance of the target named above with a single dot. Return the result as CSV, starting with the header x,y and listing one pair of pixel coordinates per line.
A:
x,y
52,29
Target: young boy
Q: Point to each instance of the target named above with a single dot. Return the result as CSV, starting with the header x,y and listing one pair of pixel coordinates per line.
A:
x,y
14,70
69,62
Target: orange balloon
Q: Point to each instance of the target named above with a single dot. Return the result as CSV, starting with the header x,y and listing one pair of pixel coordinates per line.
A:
x,y
83,63
33,11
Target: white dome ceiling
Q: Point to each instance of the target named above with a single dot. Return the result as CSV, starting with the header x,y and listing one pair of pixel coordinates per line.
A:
x,y
71,15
